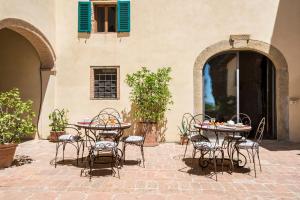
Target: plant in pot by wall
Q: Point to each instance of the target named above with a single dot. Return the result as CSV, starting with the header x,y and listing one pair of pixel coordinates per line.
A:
x,y
59,121
150,96
183,128
15,123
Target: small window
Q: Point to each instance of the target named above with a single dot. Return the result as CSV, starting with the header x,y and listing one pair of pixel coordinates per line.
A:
x,y
105,17
105,82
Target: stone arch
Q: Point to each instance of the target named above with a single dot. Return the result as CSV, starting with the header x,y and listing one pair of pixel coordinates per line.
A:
x,y
35,37
281,68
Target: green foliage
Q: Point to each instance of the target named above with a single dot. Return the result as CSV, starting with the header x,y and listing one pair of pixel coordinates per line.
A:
x,y
183,128
59,120
15,117
150,93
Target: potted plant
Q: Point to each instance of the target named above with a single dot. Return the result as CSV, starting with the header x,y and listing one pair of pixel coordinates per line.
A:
x,y
183,128
58,123
15,123
150,97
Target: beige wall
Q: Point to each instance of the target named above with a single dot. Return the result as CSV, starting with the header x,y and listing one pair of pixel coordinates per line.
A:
x,y
39,13
172,34
19,67
169,33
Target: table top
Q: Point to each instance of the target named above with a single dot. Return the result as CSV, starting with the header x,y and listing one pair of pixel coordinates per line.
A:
x,y
87,125
224,128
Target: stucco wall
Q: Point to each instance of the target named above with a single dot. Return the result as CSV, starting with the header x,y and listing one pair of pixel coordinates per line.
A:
x,y
40,14
169,34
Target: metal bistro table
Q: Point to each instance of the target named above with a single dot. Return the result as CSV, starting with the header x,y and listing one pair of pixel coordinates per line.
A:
x,y
87,127
107,128
226,131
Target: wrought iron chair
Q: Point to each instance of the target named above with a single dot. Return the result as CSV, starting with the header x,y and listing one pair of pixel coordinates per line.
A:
x,y
111,111
231,139
136,140
191,133
72,137
252,146
206,144
103,136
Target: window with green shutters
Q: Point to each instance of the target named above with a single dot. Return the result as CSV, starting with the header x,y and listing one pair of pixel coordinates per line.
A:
x,y
84,16
104,17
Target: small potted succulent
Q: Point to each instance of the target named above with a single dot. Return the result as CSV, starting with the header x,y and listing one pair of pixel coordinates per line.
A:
x,y
16,118
183,129
58,124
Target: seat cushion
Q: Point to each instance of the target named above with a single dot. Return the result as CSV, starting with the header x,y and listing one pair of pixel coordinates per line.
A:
x,y
68,138
110,133
233,137
105,145
195,137
205,145
248,144
134,139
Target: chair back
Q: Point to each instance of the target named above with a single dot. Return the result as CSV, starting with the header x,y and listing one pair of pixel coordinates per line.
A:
x,y
185,123
260,130
104,126
241,118
199,119
111,111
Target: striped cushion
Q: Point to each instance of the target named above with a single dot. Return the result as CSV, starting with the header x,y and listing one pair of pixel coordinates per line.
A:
x,y
134,138
105,145
68,138
248,144
204,145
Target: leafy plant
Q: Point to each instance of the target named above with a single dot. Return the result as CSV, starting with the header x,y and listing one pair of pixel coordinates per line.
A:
x,y
59,120
15,117
150,93
183,128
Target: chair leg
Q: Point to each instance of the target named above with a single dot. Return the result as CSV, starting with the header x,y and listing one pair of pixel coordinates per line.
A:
x,y
143,156
215,164
194,153
78,149
56,152
82,151
123,149
186,148
64,147
257,151
249,155
253,160
222,160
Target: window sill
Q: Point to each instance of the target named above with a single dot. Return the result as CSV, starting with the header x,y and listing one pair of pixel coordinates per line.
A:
x,y
110,99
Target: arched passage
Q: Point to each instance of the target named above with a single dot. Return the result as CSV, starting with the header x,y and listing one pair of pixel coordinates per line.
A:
x,y
26,58
282,121
35,37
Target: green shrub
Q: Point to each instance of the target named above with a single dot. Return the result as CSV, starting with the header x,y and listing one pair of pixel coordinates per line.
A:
x,y
15,117
150,93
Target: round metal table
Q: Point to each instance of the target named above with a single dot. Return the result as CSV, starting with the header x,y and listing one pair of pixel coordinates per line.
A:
x,y
228,130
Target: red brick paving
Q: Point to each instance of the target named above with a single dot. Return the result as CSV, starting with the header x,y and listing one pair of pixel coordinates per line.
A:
x,y
165,176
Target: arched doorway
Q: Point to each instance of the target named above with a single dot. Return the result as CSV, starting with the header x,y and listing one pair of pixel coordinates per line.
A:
x,y
241,82
26,57
281,77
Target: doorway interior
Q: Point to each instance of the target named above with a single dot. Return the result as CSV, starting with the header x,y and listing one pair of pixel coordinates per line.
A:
x,y
241,82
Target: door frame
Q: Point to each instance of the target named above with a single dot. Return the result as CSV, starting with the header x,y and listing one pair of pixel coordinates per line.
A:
x,y
281,80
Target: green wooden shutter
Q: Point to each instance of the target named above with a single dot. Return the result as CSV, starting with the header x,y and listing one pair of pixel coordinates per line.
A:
x,y
84,16
123,7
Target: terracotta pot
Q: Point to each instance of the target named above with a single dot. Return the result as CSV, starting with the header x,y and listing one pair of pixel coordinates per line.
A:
x,y
151,134
53,137
7,153
183,140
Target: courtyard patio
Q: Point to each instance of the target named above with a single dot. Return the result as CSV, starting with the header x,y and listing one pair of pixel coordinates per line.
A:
x,y
166,176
